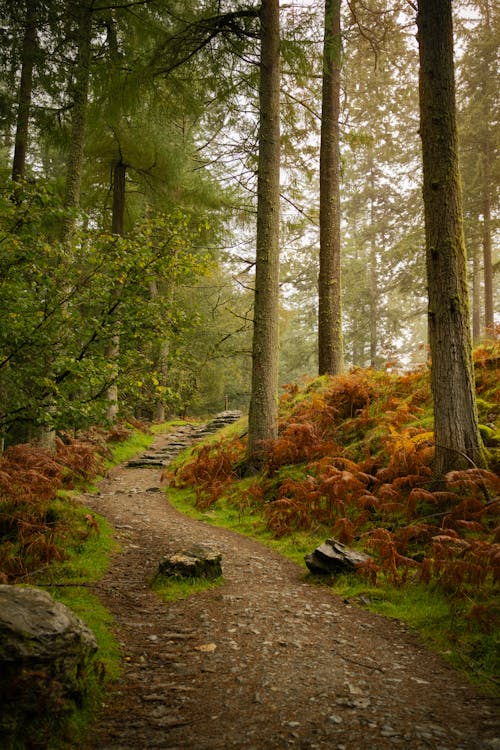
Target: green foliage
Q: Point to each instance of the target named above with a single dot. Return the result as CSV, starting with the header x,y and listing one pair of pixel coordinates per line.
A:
x,y
60,314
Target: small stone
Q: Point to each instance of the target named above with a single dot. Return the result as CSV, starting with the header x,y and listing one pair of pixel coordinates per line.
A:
x,y
332,557
335,719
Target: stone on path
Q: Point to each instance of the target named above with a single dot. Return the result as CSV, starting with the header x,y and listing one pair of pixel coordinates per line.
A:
x,y
199,561
333,557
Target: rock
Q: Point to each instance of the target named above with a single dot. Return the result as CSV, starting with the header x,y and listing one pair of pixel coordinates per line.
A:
x,y
45,654
199,561
181,439
333,557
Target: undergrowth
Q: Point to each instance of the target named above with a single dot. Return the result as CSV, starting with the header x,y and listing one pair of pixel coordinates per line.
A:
x,y
35,529
353,460
50,540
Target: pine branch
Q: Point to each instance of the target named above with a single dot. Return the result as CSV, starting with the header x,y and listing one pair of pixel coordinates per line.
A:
x,y
208,29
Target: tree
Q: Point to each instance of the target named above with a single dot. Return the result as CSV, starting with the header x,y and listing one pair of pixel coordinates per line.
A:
x,y
479,140
330,357
455,416
262,420
83,12
29,49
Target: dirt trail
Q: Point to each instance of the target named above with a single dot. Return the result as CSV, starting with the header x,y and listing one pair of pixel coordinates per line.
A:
x,y
265,661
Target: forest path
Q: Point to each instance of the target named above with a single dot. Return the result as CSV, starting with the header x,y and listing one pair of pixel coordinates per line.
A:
x,y
266,660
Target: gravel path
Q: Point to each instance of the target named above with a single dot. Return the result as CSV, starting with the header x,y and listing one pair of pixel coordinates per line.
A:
x,y
265,661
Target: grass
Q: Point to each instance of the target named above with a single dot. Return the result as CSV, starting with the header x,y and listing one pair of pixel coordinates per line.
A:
x,y
172,589
136,443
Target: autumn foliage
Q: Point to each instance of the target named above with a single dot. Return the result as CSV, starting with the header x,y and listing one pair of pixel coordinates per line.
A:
x,y
353,457
32,527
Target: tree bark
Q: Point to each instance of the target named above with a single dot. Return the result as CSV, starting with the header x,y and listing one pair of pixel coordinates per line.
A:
x,y
330,347
263,412
78,120
373,271
117,225
476,296
486,176
456,427
25,87
487,244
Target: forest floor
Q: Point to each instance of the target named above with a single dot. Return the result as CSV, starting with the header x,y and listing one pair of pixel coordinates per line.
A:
x,y
265,661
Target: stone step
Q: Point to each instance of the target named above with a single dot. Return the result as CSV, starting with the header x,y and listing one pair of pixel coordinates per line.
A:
x,y
181,439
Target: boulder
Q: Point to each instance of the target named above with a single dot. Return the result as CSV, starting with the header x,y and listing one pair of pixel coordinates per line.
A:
x,y
333,557
45,652
199,561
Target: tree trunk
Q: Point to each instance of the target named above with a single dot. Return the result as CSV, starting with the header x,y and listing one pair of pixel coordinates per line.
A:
x,y
476,296
487,181
487,244
25,86
330,348
373,273
263,412
456,428
373,305
78,118
117,225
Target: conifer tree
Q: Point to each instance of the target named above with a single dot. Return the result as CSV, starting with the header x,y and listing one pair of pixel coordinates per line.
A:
x,y
479,131
457,436
330,355
29,49
264,391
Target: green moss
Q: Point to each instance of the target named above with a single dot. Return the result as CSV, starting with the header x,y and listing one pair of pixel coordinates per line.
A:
x,y
490,437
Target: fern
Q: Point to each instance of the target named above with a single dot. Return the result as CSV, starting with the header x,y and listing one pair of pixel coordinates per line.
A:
x,y
31,533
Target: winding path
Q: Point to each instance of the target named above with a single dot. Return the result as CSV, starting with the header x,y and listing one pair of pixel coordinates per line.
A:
x,y
265,661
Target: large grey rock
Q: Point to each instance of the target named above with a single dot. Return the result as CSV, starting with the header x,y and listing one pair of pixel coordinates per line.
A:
x,y
199,561
45,652
333,557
